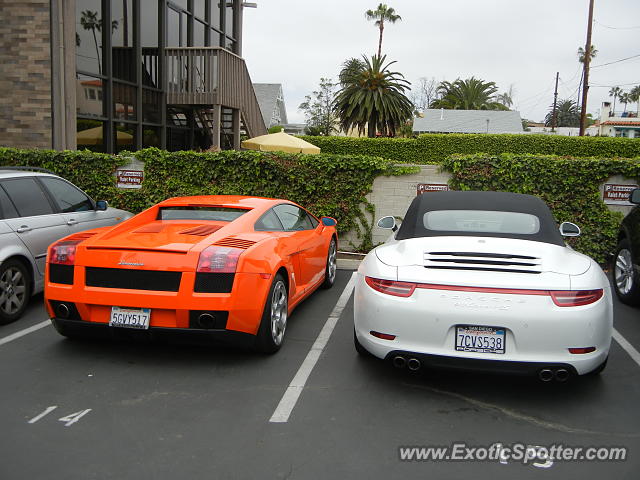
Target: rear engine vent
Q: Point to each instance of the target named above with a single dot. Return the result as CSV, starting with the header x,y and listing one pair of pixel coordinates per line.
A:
x,y
151,228
202,230
235,242
493,262
214,282
81,236
61,273
133,279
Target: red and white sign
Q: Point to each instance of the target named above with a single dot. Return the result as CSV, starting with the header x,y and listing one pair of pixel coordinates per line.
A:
x,y
129,178
432,187
617,194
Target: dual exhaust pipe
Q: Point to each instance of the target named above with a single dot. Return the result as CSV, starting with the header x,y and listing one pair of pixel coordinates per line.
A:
x,y
558,374
412,364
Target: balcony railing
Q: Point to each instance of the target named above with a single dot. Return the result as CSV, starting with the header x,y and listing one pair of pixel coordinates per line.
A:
x,y
212,76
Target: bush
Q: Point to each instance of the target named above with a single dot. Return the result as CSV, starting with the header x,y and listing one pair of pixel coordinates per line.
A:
x,y
435,148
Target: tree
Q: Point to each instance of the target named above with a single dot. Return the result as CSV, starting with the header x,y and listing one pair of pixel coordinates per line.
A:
x,y
592,53
424,93
372,97
380,15
634,96
624,98
614,92
567,114
506,98
469,94
90,21
318,109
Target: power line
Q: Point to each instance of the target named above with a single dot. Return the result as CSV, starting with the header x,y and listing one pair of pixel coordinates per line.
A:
x,y
616,28
616,85
616,61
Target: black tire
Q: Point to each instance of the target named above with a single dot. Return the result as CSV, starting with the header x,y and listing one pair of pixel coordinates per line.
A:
x,y
359,348
331,265
626,280
599,369
15,290
270,337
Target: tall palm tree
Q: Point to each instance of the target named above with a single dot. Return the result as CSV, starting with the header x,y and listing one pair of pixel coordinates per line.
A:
x,y
469,94
592,54
634,96
90,21
372,97
567,114
614,92
380,15
624,98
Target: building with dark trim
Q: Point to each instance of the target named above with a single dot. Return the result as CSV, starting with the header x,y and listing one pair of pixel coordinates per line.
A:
x,y
112,75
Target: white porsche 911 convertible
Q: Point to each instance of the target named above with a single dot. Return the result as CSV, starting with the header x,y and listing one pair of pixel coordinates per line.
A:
x,y
483,281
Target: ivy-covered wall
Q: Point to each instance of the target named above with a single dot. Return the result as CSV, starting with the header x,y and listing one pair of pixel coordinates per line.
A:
x,y
568,185
435,148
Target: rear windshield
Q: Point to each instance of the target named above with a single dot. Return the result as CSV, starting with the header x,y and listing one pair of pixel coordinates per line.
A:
x,y
481,221
220,214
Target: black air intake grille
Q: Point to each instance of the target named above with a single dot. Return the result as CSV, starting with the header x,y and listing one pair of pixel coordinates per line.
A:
x,y
133,279
214,282
61,273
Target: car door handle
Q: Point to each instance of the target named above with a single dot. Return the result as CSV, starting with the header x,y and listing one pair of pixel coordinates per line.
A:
x,y
23,229
72,222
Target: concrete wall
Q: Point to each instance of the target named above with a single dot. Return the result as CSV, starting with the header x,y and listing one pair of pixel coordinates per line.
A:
x,y
25,74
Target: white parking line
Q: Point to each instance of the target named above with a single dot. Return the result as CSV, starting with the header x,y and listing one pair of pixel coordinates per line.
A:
x,y
291,395
633,353
24,332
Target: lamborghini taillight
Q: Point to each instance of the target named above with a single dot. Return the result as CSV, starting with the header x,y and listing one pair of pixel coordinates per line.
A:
x,y
216,259
64,252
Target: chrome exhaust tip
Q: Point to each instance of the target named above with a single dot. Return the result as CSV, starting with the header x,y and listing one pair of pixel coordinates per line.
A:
x,y
62,311
545,375
399,361
414,364
562,375
206,320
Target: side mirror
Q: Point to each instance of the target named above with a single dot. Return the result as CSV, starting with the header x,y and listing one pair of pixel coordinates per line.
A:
x,y
568,229
635,196
102,205
388,223
328,221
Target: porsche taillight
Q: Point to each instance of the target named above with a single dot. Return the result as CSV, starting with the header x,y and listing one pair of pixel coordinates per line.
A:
x,y
391,287
216,259
64,252
575,298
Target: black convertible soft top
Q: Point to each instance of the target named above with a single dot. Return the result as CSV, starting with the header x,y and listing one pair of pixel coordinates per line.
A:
x,y
413,225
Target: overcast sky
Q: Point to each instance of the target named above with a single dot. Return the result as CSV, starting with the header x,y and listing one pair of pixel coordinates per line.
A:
x,y
519,43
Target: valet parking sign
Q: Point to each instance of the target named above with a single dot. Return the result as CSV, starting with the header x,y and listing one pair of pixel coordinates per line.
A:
x,y
617,194
129,178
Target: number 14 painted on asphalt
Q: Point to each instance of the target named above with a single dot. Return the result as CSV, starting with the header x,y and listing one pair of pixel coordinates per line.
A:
x,y
68,419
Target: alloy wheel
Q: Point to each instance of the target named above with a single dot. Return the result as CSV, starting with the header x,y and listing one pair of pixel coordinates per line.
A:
x,y
278,312
623,271
13,290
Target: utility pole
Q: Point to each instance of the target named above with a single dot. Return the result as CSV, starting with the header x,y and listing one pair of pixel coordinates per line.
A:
x,y
587,60
554,120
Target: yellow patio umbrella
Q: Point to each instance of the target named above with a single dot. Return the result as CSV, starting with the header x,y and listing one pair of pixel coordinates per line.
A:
x,y
282,142
93,136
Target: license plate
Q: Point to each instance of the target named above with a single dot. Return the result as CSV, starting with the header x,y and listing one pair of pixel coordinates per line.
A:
x,y
481,339
130,317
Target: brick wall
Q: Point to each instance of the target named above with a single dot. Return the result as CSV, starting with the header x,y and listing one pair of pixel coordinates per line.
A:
x,y
25,74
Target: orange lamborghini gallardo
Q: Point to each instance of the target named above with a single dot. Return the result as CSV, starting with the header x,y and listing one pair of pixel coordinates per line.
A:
x,y
207,268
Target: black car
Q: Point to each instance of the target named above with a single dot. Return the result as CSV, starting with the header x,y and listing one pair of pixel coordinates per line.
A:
x,y
626,272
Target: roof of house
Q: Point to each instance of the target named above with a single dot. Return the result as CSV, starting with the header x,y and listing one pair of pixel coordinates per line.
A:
x,y
616,123
267,95
468,121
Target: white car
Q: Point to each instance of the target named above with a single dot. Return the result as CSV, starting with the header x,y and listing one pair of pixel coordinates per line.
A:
x,y
483,281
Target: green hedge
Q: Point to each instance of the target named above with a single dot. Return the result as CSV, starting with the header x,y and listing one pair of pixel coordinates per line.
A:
x,y
333,185
568,185
435,148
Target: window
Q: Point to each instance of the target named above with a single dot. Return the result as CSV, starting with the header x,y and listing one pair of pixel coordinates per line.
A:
x,y
293,218
269,222
7,210
221,214
481,221
92,94
67,197
27,196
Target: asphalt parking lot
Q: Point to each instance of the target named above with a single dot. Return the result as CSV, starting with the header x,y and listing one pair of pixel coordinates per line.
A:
x,y
81,410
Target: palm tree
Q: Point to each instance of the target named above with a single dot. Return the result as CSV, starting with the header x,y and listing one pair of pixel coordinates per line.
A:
x,y
567,114
592,54
506,98
634,96
90,21
614,92
372,97
469,94
380,15
624,98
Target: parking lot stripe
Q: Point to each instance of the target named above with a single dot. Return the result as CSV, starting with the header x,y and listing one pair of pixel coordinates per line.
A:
x,y
633,353
24,332
291,395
